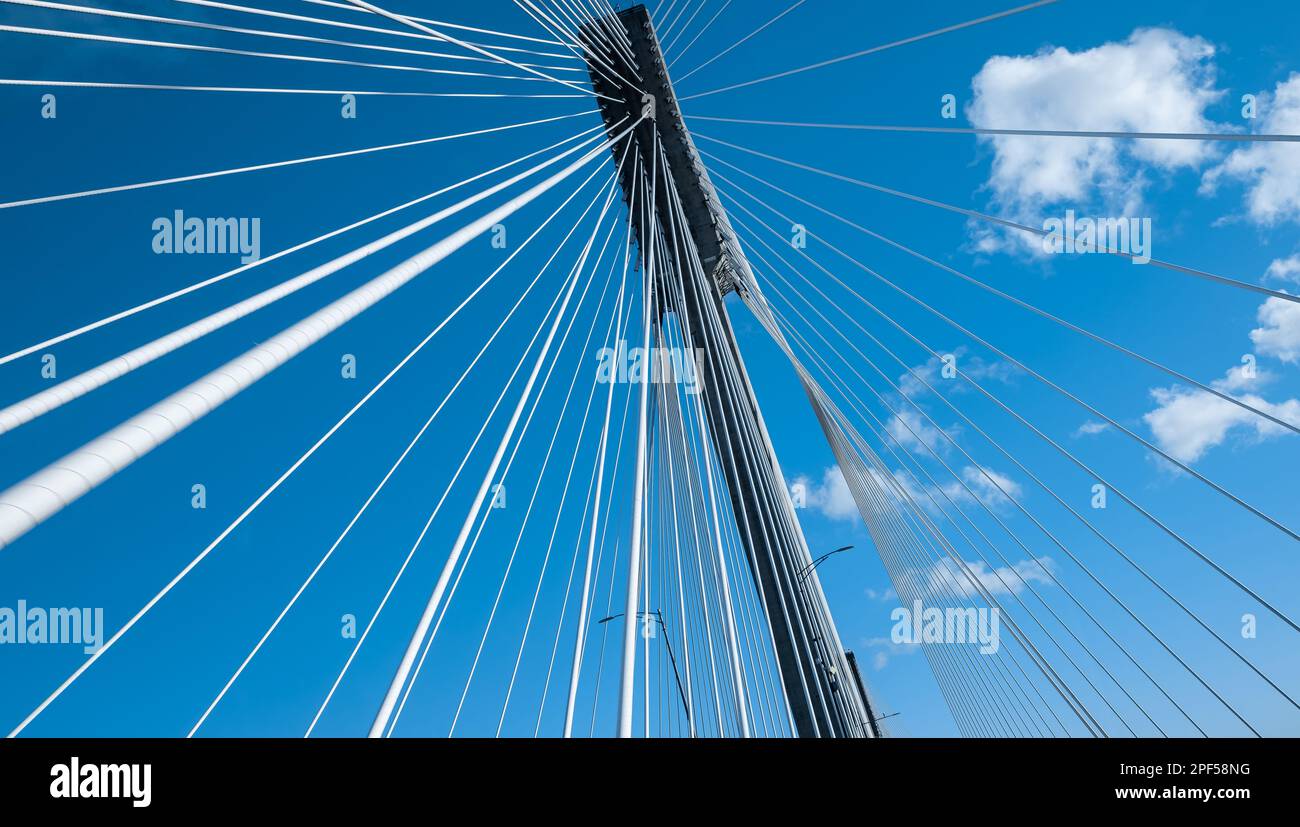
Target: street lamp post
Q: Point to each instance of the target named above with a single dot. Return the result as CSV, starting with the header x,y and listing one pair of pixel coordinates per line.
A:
x,y
659,616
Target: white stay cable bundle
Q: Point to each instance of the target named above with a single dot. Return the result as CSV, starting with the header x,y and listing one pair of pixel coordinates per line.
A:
x,y
41,496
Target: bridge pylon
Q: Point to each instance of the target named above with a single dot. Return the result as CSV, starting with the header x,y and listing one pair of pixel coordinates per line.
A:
x,y
703,263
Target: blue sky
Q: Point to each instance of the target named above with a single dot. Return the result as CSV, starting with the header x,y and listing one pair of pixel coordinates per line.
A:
x,y
1160,67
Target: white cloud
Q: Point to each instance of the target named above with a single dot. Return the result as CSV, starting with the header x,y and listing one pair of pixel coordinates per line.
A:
x,y
913,383
914,433
946,576
1091,428
936,499
1279,331
989,485
885,648
1269,171
886,596
1188,422
832,496
1158,80
1285,269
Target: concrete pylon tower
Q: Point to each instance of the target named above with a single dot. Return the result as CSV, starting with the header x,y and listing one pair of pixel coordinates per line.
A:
x,y
824,698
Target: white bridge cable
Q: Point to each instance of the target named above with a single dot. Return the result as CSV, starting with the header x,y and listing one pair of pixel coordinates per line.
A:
x,y
221,50
937,666
470,46
618,454
1036,231
882,431
757,443
738,681
683,439
580,631
384,481
48,400
165,87
403,670
611,15
175,294
608,20
1295,427
609,31
541,473
577,20
1083,466
302,38
360,27
719,567
698,35
744,39
902,456
685,26
694,270
762,710
568,589
1056,541
550,24
441,23
604,535
671,22
276,351
969,719
1051,492
1247,137
667,448
920,517
873,50
44,494
574,273
45,199
482,429
926,527
729,705
1015,723
770,686
627,683
694,494
613,562
598,476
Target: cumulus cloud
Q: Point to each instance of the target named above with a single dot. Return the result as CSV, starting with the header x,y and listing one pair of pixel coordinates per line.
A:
x,y
1270,172
946,576
1091,428
913,383
1285,269
884,649
990,486
831,496
979,484
1279,332
886,596
1158,80
914,433
1188,422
